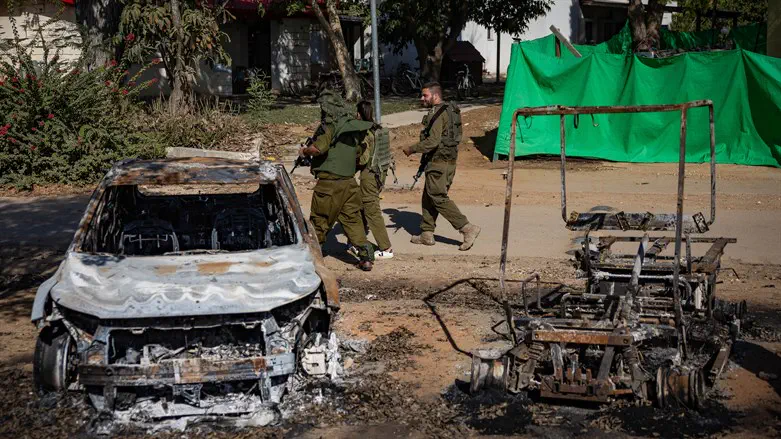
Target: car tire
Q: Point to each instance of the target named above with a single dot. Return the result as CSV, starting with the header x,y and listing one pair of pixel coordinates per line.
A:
x,y
53,370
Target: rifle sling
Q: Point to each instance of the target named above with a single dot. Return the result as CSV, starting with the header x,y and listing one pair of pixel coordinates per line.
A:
x,y
434,119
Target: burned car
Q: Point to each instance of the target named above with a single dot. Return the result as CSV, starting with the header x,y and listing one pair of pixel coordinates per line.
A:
x,y
192,286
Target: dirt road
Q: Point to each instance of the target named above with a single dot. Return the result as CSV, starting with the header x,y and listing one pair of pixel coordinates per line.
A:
x,y
430,307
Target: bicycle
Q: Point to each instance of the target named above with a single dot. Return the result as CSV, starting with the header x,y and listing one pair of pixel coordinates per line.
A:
x,y
406,82
466,84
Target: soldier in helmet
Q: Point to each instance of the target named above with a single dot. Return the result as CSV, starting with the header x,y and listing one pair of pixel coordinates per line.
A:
x,y
337,196
439,141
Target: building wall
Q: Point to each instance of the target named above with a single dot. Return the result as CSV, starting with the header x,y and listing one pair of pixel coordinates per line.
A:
x,y
62,35
291,54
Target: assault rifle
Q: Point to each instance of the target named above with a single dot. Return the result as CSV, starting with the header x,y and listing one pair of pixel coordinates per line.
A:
x,y
307,161
422,168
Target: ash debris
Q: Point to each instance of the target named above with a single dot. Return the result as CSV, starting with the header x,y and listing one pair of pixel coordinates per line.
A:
x,y
394,349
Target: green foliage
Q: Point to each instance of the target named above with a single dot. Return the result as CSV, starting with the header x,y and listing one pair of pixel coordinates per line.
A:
x,y
59,123
751,11
431,24
261,97
149,26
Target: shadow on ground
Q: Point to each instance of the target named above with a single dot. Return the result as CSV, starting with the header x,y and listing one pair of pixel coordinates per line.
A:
x,y
45,222
410,222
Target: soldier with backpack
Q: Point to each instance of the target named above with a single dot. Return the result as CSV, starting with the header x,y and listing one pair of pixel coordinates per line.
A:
x,y
439,141
374,163
336,196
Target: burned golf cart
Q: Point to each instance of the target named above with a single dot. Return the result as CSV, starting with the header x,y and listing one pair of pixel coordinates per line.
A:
x,y
192,286
646,325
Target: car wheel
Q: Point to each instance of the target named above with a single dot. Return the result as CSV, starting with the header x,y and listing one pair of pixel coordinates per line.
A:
x,y
53,368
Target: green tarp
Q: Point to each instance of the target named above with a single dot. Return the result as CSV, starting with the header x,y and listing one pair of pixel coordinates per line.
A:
x,y
744,86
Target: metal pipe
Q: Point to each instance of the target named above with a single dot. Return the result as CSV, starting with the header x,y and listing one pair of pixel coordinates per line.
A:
x,y
375,63
508,204
712,165
679,219
552,110
563,136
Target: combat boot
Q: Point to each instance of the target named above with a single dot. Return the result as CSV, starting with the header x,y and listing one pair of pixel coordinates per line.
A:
x,y
425,238
470,232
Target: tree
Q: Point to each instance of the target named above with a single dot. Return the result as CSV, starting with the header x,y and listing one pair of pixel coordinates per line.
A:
x,y
332,27
645,22
433,26
751,11
99,20
182,32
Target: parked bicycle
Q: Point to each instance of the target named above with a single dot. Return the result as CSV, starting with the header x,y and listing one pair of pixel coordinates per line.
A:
x,y
406,82
466,85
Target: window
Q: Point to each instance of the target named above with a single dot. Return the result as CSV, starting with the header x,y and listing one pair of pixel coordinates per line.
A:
x,y
490,35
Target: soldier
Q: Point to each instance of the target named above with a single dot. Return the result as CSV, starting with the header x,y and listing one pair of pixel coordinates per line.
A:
x,y
336,196
373,164
439,141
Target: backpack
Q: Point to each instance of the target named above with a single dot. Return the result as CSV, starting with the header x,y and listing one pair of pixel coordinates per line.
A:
x,y
382,160
454,114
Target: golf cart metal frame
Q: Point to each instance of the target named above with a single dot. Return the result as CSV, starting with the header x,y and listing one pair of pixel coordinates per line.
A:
x,y
631,302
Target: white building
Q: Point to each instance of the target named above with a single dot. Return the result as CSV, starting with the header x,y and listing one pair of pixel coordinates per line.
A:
x,y
582,21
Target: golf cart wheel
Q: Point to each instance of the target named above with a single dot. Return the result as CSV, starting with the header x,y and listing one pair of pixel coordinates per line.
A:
x,y
53,369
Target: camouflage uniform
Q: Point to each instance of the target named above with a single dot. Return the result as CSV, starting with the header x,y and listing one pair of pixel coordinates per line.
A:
x,y
337,196
372,180
440,171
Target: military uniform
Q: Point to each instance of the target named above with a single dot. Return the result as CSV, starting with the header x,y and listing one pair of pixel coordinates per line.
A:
x,y
337,196
439,141
372,180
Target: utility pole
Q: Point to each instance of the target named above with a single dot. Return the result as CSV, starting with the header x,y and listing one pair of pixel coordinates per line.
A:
x,y
375,63
498,55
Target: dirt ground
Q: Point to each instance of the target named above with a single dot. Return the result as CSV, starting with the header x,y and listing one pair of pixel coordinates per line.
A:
x,y
423,314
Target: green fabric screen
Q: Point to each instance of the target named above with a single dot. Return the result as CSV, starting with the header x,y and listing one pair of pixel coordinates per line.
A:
x,y
744,86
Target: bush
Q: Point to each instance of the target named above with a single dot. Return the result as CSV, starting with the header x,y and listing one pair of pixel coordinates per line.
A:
x,y
62,124
205,126
261,97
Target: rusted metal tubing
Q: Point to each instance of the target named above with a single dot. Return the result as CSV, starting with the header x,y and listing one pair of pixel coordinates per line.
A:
x,y
712,165
508,204
552,110
679,218
563,140
581,337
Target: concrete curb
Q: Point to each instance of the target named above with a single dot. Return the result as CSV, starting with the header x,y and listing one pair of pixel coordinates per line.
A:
x,y
179,152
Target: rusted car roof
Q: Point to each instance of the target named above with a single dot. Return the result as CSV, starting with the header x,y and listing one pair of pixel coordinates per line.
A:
x,y
191,170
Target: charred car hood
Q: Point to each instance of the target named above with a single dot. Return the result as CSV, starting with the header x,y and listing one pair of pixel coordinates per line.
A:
x,y
111,287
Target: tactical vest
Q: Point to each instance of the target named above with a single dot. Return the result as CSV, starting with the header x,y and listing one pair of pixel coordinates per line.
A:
x,y
342,153
382,159
451,134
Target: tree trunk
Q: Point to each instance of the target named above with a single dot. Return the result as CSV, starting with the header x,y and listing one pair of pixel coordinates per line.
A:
x,y
333,29
645,23
636,14
653,22
100,22
178,76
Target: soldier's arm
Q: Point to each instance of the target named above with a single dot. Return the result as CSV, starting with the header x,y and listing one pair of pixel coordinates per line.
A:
x,y
432,141
320,145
